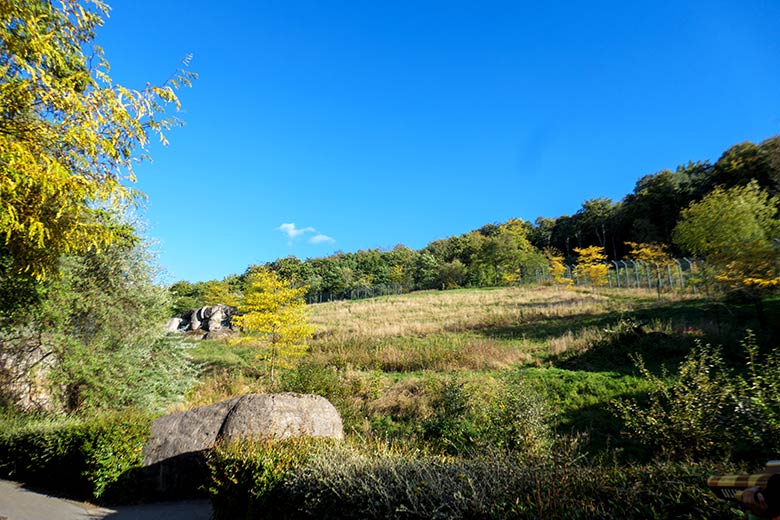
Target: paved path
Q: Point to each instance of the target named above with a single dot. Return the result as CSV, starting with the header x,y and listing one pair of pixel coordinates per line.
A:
x,y
18,503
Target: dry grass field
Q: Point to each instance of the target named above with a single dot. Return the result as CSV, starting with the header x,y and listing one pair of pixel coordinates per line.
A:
x,y
385,361
464,330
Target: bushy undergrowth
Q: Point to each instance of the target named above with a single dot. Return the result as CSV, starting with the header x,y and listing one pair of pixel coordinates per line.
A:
x,y
708,409
89,457
324,480
247,476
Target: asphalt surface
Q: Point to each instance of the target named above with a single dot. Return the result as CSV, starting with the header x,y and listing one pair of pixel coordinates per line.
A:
x,y
18,503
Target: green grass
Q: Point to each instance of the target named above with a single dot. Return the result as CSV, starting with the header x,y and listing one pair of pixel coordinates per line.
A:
x,y
384,361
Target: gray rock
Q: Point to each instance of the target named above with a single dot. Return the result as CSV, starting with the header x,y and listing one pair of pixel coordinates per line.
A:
x,y
209,318
186,432
282,416
173,324
175,452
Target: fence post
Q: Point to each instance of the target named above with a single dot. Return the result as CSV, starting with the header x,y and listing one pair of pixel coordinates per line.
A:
x,y
575,278
680,273
617,272
690,270
636,274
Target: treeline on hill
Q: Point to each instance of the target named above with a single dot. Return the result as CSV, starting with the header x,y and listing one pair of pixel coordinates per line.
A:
x,y
502,254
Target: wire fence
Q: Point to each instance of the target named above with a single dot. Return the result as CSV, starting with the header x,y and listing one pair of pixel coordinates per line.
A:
x,y
678,275
358,293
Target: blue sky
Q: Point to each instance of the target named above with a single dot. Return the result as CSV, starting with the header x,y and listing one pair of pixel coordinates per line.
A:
x,y
318,126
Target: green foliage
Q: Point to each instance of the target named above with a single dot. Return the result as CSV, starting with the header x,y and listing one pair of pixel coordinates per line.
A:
x,y
99,330
246,477
88,458
735,231
342,481
312,378
451,428
708,410
185,296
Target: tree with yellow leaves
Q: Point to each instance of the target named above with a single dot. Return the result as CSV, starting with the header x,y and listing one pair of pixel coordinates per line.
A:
x,y
273,315
556,267
69,135
219,292
591,265
654,257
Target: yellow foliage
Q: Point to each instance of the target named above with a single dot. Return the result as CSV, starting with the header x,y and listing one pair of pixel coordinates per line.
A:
x,y
757,268
511,278
557,268
397,274
656,255
215,292
591,265
274,314
68,135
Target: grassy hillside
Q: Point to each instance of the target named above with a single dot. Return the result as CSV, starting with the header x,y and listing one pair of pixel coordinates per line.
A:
x,y
390,363
505,403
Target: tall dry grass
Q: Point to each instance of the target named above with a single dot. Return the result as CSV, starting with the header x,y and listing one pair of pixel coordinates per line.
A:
x,y
436,312
454,330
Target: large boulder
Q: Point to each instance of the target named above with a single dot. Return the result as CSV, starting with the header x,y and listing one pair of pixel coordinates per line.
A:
x,y
175,452
211,321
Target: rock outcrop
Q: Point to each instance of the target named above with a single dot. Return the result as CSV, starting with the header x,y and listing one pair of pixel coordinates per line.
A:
x,y
178,442
211,321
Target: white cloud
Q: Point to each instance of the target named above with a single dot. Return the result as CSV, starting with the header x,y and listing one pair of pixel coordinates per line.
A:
x,y
294,232
321,239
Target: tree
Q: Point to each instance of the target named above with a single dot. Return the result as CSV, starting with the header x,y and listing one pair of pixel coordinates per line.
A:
x,y
427,272
595,217
557,267
97,341
541,233
652,256
736,231
185,296
452,274
591,265
273,313
69,135
219,292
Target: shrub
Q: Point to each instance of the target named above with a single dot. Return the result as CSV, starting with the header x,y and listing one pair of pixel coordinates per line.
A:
x,y
83,458
341,482
520,418
708,410
312,378
451,427
246,476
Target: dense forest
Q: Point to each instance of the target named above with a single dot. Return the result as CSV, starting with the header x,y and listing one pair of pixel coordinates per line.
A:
x,y
500,253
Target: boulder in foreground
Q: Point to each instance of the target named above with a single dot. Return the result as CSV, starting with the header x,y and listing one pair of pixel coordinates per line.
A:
x,y
175,450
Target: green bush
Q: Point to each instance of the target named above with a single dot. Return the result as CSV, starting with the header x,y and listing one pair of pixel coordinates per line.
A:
x,y
520,418
344,482
311,378
451,428
710,410
246,476
85,458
